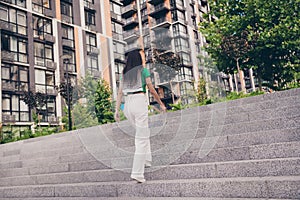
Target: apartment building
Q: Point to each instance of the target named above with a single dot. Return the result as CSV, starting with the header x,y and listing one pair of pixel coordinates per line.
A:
x,y
46,42
170,26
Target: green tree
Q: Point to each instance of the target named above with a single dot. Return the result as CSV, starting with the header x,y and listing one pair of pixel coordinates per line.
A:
x,y
272,29
201,91
82,116
103,102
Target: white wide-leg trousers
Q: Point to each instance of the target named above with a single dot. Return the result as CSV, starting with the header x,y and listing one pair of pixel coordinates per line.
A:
x,y
136,111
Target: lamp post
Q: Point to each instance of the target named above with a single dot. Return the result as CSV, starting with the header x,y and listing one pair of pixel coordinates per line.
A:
x,y
66,60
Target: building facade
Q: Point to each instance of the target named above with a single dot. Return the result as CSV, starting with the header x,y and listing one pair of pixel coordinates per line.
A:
x,y
170,27
46,42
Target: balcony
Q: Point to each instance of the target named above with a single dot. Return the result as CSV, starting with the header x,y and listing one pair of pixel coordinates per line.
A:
x,y
8,118
159,10
51,65
131,35
117,36
96,73
93,51
130,23
68,43
128,10
67,19
155,2
91,27
89,5
47,37
119,57
53,120
8,86
6,26
160,23
8,56
48,12
126,2
132,46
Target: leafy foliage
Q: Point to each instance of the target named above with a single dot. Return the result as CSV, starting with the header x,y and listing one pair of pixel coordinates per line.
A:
x,y
272,29
201,91
103,103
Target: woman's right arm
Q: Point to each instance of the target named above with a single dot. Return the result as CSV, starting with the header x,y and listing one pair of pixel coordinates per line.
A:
x,y
155,95
118,104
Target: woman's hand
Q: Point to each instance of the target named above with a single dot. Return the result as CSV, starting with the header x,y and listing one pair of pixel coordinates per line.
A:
x,y
163,108
117,116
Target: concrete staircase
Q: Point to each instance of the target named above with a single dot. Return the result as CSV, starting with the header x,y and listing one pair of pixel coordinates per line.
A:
x,y
243,149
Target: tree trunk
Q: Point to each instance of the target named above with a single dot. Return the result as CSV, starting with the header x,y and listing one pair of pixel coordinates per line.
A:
x,y
241,75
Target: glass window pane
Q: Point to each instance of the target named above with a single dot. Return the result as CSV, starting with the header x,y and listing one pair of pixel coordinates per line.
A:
x,y
23,76
12,13
13,44
3,13
22,47
23,106
15,102
6,104
21,19
39,76
5,73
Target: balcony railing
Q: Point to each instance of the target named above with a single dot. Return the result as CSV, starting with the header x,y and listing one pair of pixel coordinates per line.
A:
x,y
51,65
66,19
8,118
129,10
131,34
8,86
117,36
93,51
162,7
89,5
67,42
163,22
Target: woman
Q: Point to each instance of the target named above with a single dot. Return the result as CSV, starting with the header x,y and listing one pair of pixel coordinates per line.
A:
x,y
133,85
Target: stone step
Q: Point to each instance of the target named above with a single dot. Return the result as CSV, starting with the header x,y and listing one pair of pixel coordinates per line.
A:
x,y
137,198
258,103
33,154
241,187
252,168
175,153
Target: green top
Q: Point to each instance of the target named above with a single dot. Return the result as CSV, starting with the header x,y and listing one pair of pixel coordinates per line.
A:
x,y
145,74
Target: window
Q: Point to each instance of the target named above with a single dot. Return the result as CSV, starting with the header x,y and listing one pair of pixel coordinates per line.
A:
x,y
13,105
15,18
42,53
66,11
179,28
40,5
14,78
41,26
186,73
92,59
44,81
178,15
67,36
16,47
72,63
21,3
89,17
